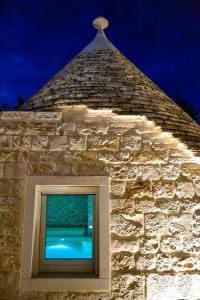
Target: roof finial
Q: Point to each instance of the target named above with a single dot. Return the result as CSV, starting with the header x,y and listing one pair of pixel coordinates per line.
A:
x,y
100,23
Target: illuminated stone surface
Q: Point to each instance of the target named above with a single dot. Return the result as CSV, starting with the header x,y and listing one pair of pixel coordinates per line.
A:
x,y
173,287
154,204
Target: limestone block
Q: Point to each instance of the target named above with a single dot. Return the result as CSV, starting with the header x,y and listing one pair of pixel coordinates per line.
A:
x,y
5,142
50,156
170,171
162,287
66,128
169,204
197,214
144,157
163,190
9,284
40,143
192,171
11,203
100,116
145,205
118,205
9,218
63,169
10,245
197,187
12,187
150,172
42,169
196,222
41,128
48,117
180,159
118,171
15,128
156,224
17,116
123,262
11,229
125,246
2,128
133,172
22,143
58,143
173,287
170,244
163,262
77,143
77,156
89,168
1,170
148,245
21,156
87,128
153,135
131,142
185,189
189,205
183,262
124,225
74,114
128,286
119,157
139,189
15,170
180,224
191,245
12,156
117,188
10,263
110,143
102,128
145,262
121,128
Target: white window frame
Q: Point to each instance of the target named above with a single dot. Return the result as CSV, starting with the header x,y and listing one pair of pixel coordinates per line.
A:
x,y
79,265
32,279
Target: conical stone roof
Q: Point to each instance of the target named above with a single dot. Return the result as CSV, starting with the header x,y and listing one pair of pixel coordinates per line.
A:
x,y
101,77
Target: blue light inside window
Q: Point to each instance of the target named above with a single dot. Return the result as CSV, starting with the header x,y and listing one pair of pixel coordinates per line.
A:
x,y
69,227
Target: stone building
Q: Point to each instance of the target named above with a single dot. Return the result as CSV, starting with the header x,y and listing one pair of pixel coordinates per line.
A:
x,y
101,122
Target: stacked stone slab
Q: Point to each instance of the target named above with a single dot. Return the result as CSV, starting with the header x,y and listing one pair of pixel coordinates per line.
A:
x,y
101,77
154,198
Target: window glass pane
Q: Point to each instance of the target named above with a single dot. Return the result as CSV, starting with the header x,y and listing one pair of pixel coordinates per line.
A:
x,y
69,227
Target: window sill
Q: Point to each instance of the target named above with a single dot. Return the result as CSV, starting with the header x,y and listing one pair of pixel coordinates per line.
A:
x,y
60,284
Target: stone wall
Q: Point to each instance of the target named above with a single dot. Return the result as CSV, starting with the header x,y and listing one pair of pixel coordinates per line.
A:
x,y
155,193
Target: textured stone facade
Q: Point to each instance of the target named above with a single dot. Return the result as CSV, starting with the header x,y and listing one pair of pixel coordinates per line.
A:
x,y
154,198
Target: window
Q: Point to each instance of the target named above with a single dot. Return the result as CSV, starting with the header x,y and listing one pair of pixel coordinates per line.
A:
x,y
66,234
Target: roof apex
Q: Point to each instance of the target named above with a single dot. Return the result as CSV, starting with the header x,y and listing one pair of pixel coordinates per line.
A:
x,y
100,41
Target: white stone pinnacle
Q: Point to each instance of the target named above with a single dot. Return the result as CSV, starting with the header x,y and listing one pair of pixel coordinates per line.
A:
x,y
100,41
100,23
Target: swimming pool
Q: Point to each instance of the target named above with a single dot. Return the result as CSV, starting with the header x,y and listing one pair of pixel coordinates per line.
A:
x,y
69,227
68,244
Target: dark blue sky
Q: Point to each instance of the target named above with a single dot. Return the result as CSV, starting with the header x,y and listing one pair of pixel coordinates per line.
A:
x,y
37,38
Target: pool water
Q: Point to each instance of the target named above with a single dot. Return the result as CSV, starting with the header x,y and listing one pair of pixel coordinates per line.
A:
x,y
68,248
69,227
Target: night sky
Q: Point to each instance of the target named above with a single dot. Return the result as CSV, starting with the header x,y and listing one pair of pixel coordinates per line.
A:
x,y
37,38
